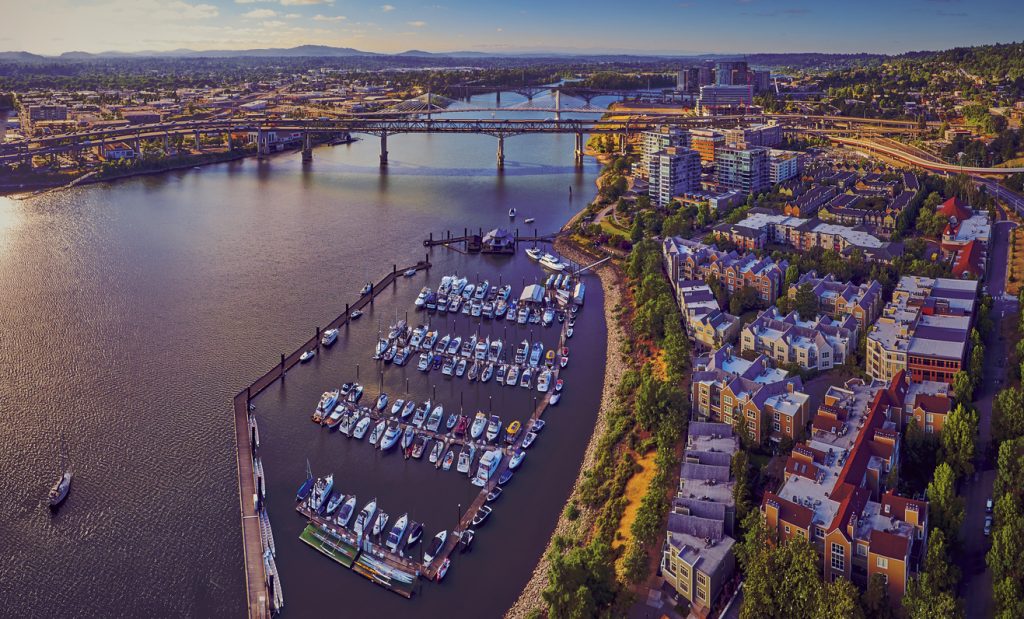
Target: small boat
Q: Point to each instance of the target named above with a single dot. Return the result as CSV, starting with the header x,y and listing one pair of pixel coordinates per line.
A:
x,y
521,352
449,366
335,417
380,522
378,431
535,353
419,446
464,460
502,369
505,477
346,511
306,487
481,350
355,394
549,358
453,345
391,436
512,378
528,439
487,373
512,212
544,381
367,289
421,298
59,492
421,414
529,220
329,337
451,421
517,459
381,348
424,364
365,517
435,451
415,533
417,336
435,547
408,436
481,515
510,313
555,397
449,458
538,425
429,340
348,422
558,385
434,421
407,410
441,571
397,406
436,363
402,356
333,503
534,253
382,402
512,431
465,541
563,361
360,430
307,356
493,427
410,273
442,345
461,425
355,314
479,424
547,317
494,352
568,332
397,533
474,371
321,491
467,292
468,346
397,330
526,380
460,368
494,494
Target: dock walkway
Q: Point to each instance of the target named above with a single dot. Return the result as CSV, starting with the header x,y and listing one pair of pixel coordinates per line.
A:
x,y
263,587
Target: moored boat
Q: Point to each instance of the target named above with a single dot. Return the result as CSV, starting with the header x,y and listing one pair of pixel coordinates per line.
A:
x,y
397,406
380,522
479,424
361,427
391,436
489,463
494,494
382,402
493,427
329,337
505,477
308,355
346,511
481,515
365,517
397,533
517,459
378,432
465,541
435,547
528,439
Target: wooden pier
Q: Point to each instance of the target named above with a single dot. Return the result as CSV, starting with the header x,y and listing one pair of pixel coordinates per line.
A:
x,y
263,587
474,242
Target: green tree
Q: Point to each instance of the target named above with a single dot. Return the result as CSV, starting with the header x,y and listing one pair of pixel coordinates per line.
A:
x,y
1008,414
792,274
741,488
806,304
963,387
743,299
945,507
958,432
943,573
875,600
839,599
581,580
924,601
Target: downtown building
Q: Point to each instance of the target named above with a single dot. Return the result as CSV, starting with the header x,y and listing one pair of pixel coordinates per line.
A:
x,y
720,99
924,331
672,172
819,344
834,491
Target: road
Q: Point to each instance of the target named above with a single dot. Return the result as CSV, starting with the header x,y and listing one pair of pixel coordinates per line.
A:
x,y
976,583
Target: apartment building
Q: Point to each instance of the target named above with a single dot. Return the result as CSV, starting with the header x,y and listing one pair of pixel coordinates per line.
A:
x,y
807,204
834,493
752,395
671,172
783,165
841,299
965,239
685,259
698,554
745,170
924,330
722,99
818,344
927,404
658,140
769,135
714,329
706,142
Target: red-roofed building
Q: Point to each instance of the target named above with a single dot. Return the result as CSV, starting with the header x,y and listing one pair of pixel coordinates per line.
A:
x,y
970,260
953,207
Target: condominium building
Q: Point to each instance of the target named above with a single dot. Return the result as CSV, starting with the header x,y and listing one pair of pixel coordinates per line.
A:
x,y
767,135
745,170
965,238
753,396
818,344
834,495
927,404
841,299
54,111
686,259
707,142
724,98
658,140
783,165
698,554
924,330
806,205
672,172
705,321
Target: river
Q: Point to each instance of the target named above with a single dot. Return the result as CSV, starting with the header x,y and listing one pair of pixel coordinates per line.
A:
x,y
132,312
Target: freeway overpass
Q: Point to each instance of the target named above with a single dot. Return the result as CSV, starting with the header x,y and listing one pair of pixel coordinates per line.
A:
x,y
906,157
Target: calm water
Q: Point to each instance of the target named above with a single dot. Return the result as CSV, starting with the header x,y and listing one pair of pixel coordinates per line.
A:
x,y
131,313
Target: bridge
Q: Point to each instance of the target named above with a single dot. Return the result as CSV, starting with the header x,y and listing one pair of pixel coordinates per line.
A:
x,y
418,117
902,154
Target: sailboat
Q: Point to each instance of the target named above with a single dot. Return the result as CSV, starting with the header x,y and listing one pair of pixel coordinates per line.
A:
x,y
59,492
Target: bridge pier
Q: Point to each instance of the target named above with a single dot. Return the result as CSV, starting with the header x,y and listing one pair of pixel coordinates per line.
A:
x,y
558,104
307,148
501,152
261,145
383,149
578,151
230,145
199,146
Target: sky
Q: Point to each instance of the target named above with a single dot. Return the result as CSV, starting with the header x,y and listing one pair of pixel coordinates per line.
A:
x,y
509,26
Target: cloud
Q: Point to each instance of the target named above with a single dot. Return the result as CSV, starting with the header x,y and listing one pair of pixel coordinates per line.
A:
x,y
951,13
274,23
304,2
329,18
387,8
780,12
292,16
417,23
499,30
260,14
251,1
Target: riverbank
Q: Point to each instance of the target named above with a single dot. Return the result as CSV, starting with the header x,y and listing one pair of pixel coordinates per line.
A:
x,y
531,601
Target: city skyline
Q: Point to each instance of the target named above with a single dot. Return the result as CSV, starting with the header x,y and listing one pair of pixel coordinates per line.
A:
x,y
51,27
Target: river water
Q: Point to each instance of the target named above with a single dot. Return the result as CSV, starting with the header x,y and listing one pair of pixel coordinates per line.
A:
x,y
132,312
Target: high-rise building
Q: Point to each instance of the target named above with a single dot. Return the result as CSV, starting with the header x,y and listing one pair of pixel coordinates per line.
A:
x,y
724,98
783,165
743,169
762,81
731,73
756,135
658,140
671,172
706,142
690,79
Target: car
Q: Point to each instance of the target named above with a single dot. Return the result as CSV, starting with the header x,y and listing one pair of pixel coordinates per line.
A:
x,y
988,526
988,506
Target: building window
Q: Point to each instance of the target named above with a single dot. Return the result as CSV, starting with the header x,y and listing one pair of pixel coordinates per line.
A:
x,y
787,529
862,550
882,563
819,532
777,427
838,558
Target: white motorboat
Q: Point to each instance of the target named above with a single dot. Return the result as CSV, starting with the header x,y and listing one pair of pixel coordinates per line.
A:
x,y
528,439
434,421
435,547
408,409
410,273
436,451
551,262
493,427
517,459
397,533
360,430
479,424
489,463
534,253
512,212
380,522
367,288
422,297
544,381
512,378
397,406
378,431
346,511
308,355
487,373
365,517
382,402
555,397
391,436
529,220
329,337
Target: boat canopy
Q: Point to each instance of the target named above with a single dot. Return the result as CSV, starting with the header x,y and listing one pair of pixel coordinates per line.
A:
x,y
577,296
533,293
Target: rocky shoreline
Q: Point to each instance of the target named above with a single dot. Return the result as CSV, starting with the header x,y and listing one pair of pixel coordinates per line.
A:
x,y
530,601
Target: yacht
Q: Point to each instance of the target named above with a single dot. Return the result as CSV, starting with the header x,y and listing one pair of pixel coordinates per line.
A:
x,y
419,446
402,356
356,393
465,459
346,511
441,304
442,346
535,353
360,430
510,314
551,262
327,401
391,436
321,490
476,308
455,304
495,351
381,348
329,337
333,503
521,352
397,406
523,315
544,381
504,292
489,463
382,402
365,518
424,363
449,366
415,533
479,423
467,292
459,285
380,523
397,533
488,309
332,420
421,414
527,378
397,330
434,421
435,547
493,427
547,317
453,346
468,346
408,409
482,347
534,253
417,336
446,284
487,373
511,379
378,431
421,299
481,290
429,340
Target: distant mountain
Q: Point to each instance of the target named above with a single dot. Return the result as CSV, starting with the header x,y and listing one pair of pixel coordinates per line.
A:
x,y
22,57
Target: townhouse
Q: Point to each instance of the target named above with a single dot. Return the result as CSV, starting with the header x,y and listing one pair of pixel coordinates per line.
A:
x,y
841,299
818,344
754,396
834,492
690,260
698,558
